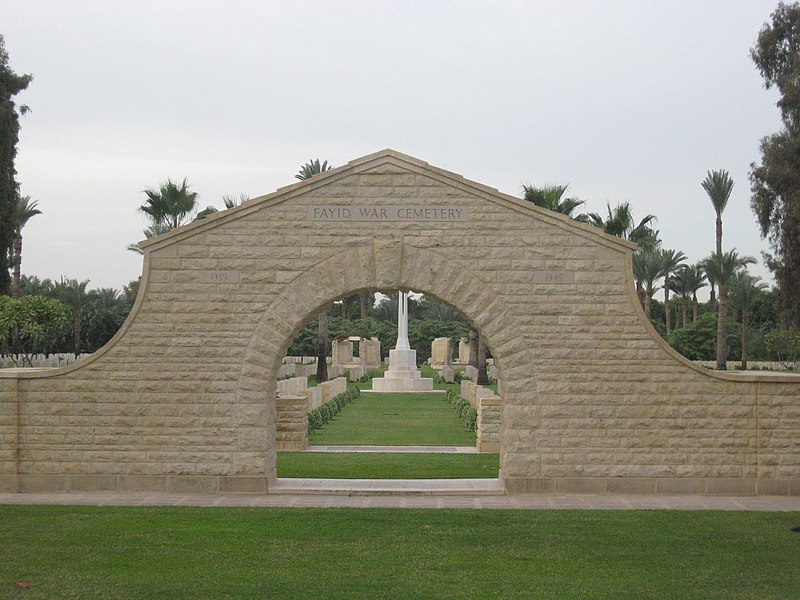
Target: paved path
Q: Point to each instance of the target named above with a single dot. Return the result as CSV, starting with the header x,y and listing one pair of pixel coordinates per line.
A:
x,y
589,502
401,449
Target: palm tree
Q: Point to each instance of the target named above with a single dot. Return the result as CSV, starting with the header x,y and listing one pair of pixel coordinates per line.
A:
x,y
682,298
170,204
311,168
73,293
307,171
722,268
25,210
745,290
551,198
647,268
690,279
671,261
167,208
620,222
718,185
31,285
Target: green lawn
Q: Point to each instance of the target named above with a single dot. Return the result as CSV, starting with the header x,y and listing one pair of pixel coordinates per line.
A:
x,y
385,465
117,552
396,420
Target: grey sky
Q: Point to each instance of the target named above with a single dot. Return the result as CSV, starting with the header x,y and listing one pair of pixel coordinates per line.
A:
x,y
625,101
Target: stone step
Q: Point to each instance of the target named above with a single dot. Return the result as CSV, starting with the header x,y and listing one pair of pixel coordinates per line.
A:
x,y
388,487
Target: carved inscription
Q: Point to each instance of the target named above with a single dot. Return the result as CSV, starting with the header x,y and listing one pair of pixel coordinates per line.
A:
x,y
387,213
554,277
219,276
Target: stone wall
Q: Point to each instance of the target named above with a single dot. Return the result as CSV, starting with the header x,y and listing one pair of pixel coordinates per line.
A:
x,y
9,361
183,398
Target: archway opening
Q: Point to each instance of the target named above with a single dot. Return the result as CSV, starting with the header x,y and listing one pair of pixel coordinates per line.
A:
x,y
444,438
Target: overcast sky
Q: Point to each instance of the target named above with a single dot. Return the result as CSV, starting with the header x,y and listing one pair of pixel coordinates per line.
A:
x,y
625,101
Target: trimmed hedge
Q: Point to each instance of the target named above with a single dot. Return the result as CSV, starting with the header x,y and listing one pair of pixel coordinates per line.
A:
x,y
467,413
370,375
322,415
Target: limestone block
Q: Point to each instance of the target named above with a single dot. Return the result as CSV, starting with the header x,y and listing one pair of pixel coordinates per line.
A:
x,y
463,351
342,352
448,375
471,372
370,353
357,373
469,391
440,351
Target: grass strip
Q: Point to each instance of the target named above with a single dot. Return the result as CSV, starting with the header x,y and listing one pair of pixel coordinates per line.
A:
x,y
177,552
395,420
385,465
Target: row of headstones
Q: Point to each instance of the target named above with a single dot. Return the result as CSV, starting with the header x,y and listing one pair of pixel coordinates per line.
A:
x,y
316,396
303,360
306,369
440,353
8,361
369,353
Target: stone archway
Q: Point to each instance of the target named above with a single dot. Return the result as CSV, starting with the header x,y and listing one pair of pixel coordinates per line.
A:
x,y
365,268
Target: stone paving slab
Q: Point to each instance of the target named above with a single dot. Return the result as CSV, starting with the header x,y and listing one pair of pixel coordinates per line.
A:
x,y
399,449
525,502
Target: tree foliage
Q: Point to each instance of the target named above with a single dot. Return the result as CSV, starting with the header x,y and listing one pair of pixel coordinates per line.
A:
x,y
552,198
619,221
31,323
698,339
775,183
311,168
11,84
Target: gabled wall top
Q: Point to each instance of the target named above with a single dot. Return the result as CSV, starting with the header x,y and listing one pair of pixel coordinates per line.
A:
x,y
403,162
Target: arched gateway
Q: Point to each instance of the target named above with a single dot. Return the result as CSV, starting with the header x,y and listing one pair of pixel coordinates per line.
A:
x,y
183,398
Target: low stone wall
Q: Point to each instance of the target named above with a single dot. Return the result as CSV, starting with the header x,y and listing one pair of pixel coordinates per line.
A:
x,y
295,400
489,412
291,422
735,365
40,360
488,406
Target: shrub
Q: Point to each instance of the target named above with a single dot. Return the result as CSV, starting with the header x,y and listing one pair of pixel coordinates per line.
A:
x,y
467,413
785,346
369,375
319,417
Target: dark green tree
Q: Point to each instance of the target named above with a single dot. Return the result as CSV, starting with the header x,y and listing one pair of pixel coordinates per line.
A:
x,y
775,183
11,84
